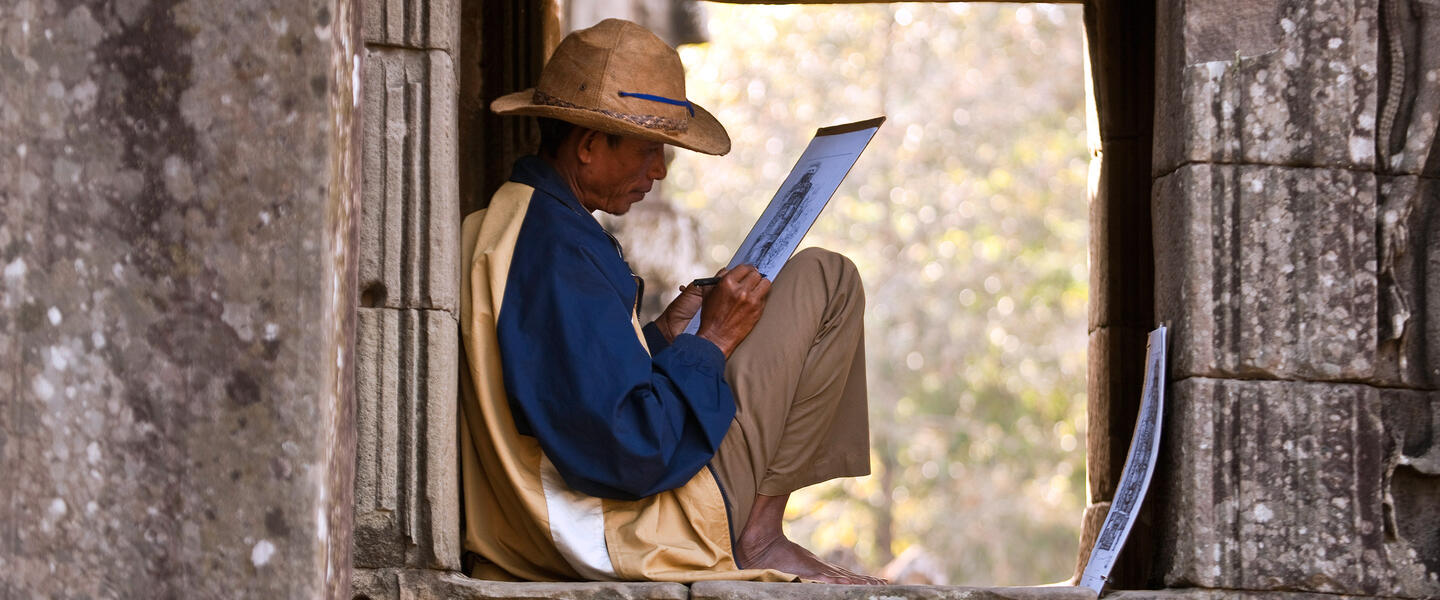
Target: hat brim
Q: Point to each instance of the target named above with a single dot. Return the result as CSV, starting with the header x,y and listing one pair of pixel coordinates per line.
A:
x,y
704,133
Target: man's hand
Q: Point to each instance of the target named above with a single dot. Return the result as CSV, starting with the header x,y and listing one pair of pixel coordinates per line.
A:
x,y
732,307
677,316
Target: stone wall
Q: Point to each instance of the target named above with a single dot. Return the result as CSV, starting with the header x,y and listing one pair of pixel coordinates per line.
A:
x,y
177,193
1297,249
181,286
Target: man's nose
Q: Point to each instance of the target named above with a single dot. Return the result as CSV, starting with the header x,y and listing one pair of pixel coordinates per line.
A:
x,y
658,169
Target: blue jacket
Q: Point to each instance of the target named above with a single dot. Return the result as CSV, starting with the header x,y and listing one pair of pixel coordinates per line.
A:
x,y
618,420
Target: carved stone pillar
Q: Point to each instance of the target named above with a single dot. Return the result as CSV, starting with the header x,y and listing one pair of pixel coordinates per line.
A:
x,y
406,497
1296,257
178,187
433,153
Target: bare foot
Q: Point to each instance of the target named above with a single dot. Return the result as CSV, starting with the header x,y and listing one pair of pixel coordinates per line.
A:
x,y
759,551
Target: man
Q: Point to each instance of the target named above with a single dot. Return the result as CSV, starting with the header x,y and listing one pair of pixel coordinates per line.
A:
x,y
594,449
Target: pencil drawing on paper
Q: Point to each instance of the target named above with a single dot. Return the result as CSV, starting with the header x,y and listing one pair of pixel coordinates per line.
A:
x,y
778,233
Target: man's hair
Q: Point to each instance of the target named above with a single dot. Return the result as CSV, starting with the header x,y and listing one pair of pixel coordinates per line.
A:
x,y
554,131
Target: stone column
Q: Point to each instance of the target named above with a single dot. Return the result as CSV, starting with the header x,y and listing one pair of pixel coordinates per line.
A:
x,y
406,495
433,153
1296,225
178,184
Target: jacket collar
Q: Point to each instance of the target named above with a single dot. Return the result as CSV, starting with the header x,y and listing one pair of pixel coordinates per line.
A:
x,y
535,172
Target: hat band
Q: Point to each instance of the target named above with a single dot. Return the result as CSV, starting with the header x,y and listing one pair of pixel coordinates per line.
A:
x,y
653,98
646,121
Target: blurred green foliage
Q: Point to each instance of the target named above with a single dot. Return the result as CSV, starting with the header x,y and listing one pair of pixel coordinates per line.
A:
x,y
967,219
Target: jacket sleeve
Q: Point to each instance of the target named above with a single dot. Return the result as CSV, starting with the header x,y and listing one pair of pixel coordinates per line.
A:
x,y
616,422
654,340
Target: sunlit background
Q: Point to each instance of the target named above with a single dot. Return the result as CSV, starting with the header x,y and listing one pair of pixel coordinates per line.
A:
x,y
967,219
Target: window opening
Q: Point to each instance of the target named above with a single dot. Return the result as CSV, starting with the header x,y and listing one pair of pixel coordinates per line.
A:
x,y
968,221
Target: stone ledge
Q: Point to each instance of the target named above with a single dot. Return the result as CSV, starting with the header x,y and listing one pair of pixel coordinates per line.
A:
x,y
420,584
746,590
1222,594
457,586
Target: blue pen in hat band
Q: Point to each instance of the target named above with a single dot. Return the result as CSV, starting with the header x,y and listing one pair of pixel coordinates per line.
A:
x,y
654,98
646,121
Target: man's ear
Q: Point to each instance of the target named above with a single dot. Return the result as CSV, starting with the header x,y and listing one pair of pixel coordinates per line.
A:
x,y
585,144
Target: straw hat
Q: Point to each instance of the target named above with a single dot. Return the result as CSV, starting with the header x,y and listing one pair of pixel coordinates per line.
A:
x,y
617,77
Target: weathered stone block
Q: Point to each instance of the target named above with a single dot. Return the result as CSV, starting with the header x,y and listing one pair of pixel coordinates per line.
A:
x,y
1270,82
747,590
1268,272
1409,271
1278,485
1413,488
406,484
177,271
1204,594
410,236
417,24
676,23
410,584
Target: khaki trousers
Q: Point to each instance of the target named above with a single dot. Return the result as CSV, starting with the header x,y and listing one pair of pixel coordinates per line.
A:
x,y
799,385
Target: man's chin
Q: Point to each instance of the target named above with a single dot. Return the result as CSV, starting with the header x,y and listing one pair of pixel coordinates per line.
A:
x,y
624,207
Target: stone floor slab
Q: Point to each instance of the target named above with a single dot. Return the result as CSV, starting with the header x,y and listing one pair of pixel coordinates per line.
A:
x,y
456,586
746,590
422,584
1209,594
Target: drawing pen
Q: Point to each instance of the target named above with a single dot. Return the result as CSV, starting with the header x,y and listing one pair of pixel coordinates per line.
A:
x,y
704,281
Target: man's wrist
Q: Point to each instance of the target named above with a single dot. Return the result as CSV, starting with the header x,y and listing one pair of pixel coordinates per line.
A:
x,y
722,344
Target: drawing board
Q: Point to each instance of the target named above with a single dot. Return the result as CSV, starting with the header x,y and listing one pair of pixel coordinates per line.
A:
x,y
804,193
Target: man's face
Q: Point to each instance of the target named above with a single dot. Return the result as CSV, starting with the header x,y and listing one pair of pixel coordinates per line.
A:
x,y
616,177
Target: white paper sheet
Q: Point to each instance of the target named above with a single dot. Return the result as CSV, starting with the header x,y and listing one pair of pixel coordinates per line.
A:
x,y
1139,469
